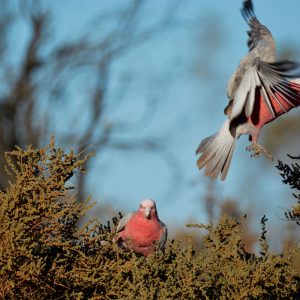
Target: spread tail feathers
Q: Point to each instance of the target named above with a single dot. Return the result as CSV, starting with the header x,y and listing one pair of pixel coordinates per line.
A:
x,y
216,152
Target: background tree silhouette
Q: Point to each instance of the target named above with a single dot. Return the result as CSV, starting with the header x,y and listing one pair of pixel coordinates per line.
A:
x,y
40,80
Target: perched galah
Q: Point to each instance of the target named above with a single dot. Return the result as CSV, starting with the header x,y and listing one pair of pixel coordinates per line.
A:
x,y
259,91
142,231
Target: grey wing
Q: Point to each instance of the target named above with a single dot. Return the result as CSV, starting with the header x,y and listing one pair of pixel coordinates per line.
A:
x,y
124,221
275,79
162,241
271,79
257,31
266,50
235,79
231,88
244,95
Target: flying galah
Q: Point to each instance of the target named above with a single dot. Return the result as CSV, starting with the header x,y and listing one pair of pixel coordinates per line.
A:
x,y
259,91
142,231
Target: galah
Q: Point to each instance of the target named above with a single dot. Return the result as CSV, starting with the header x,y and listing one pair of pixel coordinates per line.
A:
x,y
259,91
142,231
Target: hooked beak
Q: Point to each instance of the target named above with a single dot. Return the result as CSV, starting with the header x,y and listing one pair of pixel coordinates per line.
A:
x,y
148,212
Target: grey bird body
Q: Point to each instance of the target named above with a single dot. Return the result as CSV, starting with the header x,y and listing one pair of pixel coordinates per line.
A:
x,y
258,74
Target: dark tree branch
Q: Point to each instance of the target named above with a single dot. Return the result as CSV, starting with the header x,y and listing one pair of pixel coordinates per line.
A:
x,y
42,89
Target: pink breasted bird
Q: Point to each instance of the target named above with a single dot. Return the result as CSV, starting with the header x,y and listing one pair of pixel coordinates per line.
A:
x,y
142,231
259,91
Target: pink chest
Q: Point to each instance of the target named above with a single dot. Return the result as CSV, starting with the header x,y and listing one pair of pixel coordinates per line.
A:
x,y
142,231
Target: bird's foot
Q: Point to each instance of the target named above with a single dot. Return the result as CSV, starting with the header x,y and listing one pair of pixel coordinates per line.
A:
x,y
256,150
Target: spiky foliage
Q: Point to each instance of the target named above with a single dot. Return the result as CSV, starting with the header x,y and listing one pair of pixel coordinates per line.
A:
x,y
45,254
290,174
229,272
38,217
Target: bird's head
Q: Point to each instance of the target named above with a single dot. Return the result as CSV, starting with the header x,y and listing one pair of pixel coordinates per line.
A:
x,y
148,208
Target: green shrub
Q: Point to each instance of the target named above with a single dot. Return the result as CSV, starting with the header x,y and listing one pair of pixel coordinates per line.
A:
x,y
46,254
290,174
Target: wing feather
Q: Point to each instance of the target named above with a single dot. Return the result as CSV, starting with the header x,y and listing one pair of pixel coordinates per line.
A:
x,y
273,81
124,221
245,94
162,241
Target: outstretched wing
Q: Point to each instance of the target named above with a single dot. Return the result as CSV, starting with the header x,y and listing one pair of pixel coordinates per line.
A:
x,y
245,94
261,44
257,31
271,80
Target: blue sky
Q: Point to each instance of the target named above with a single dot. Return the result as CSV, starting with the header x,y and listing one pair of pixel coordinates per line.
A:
x,y
192,108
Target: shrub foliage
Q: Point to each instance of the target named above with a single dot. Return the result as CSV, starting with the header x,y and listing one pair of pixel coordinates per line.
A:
x,y
290,174
46,253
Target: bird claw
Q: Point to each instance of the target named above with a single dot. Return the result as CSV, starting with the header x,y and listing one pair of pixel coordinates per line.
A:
x,y
257,149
